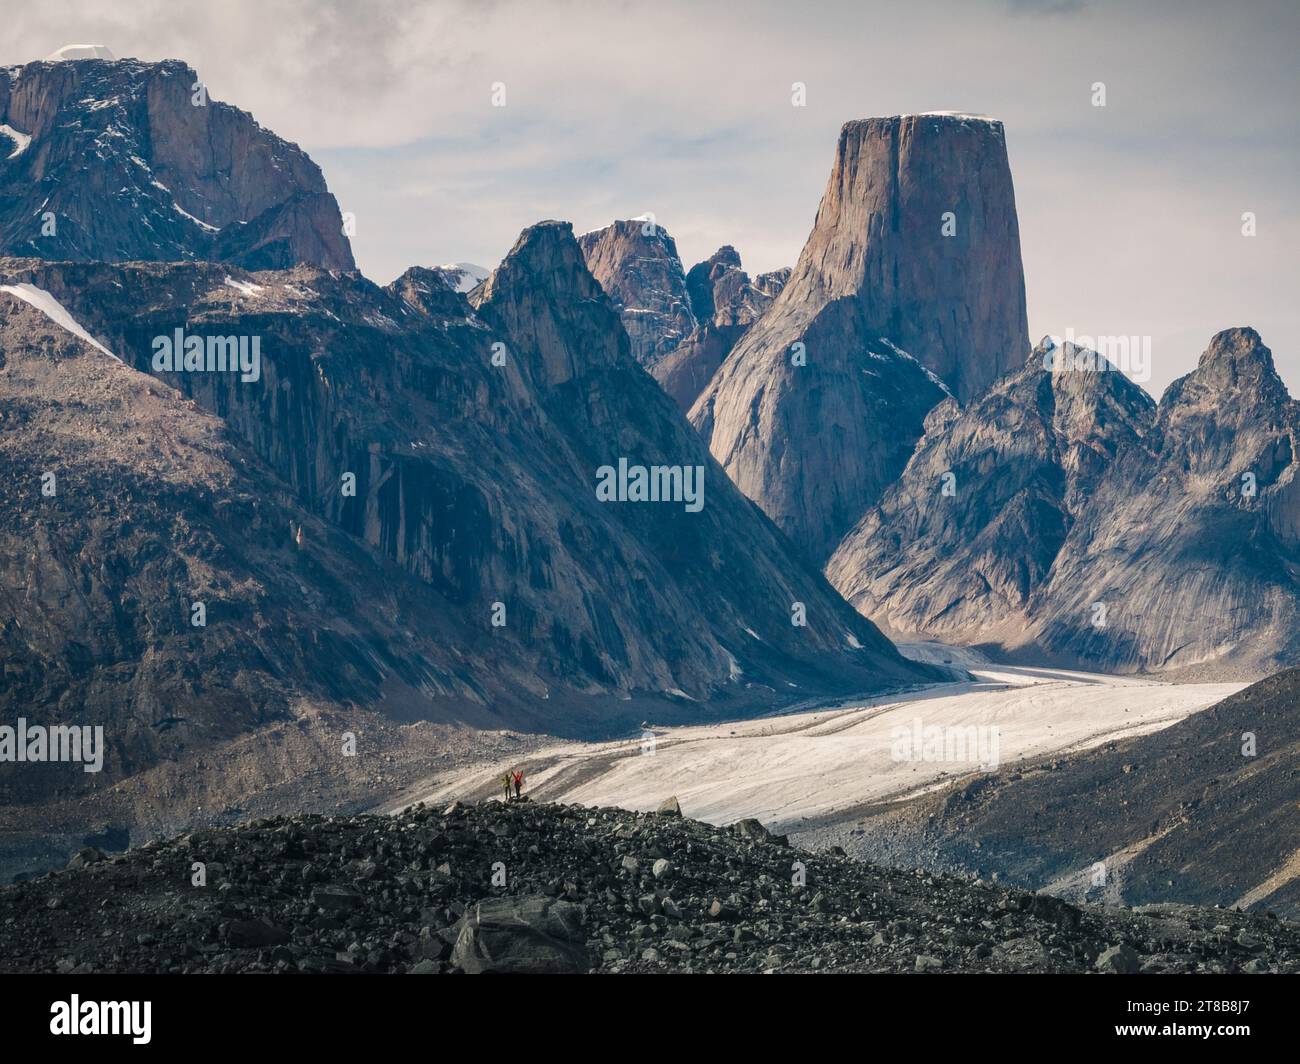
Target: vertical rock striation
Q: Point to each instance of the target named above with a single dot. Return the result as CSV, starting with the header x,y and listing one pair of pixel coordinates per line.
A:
x,y
891,313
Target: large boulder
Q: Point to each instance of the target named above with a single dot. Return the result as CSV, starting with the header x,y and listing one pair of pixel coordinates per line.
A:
x,y
531,934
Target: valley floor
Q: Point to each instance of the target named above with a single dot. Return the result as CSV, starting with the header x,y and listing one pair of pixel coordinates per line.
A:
x,y
786,770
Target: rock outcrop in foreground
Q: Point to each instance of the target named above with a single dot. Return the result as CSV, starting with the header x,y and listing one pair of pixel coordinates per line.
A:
x,y
126,161
816,409
585,890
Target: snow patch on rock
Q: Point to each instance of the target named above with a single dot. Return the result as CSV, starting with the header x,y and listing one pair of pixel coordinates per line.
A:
x,y
467,275
80,51
247,287
21,140
55,311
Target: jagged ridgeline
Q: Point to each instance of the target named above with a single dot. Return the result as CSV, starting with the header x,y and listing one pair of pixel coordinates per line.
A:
x,y
124,160
383,498
1065,515
681,325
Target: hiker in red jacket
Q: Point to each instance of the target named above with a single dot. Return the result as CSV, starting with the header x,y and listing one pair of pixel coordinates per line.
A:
x,y
519,783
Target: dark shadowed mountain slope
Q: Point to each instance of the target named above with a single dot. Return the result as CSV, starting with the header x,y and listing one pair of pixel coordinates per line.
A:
x,y
124,504
1206,811
725,303
1087,528
1189,550
576,360
114,160
959,544
815,449
478,481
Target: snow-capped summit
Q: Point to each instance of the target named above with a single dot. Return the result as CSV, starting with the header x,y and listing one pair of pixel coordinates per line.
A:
x,y
464,276
80,51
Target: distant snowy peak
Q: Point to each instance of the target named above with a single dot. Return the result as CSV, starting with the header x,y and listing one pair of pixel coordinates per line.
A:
x,y
464,276
80,51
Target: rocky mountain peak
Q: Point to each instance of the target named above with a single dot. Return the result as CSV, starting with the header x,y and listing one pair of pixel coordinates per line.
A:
x,y
725,303
918,222
960,543
912,268
1076,377
1236,363
722,293
543,296
636,262
432,291
132,161
702,276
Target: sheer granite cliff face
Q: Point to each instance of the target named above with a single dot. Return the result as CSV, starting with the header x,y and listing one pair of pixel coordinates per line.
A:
x,y
877,277
118,163
474,500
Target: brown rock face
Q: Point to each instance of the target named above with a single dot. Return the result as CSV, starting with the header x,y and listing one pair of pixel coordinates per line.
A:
x,y
637,265
128,168
474,486
877,267
725,303
954,302
152,505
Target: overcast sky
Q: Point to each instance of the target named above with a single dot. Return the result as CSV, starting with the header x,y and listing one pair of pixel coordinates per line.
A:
x,y
1130,214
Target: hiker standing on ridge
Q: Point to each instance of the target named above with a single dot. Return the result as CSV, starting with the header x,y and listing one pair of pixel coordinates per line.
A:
x,y
505,782
519,782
